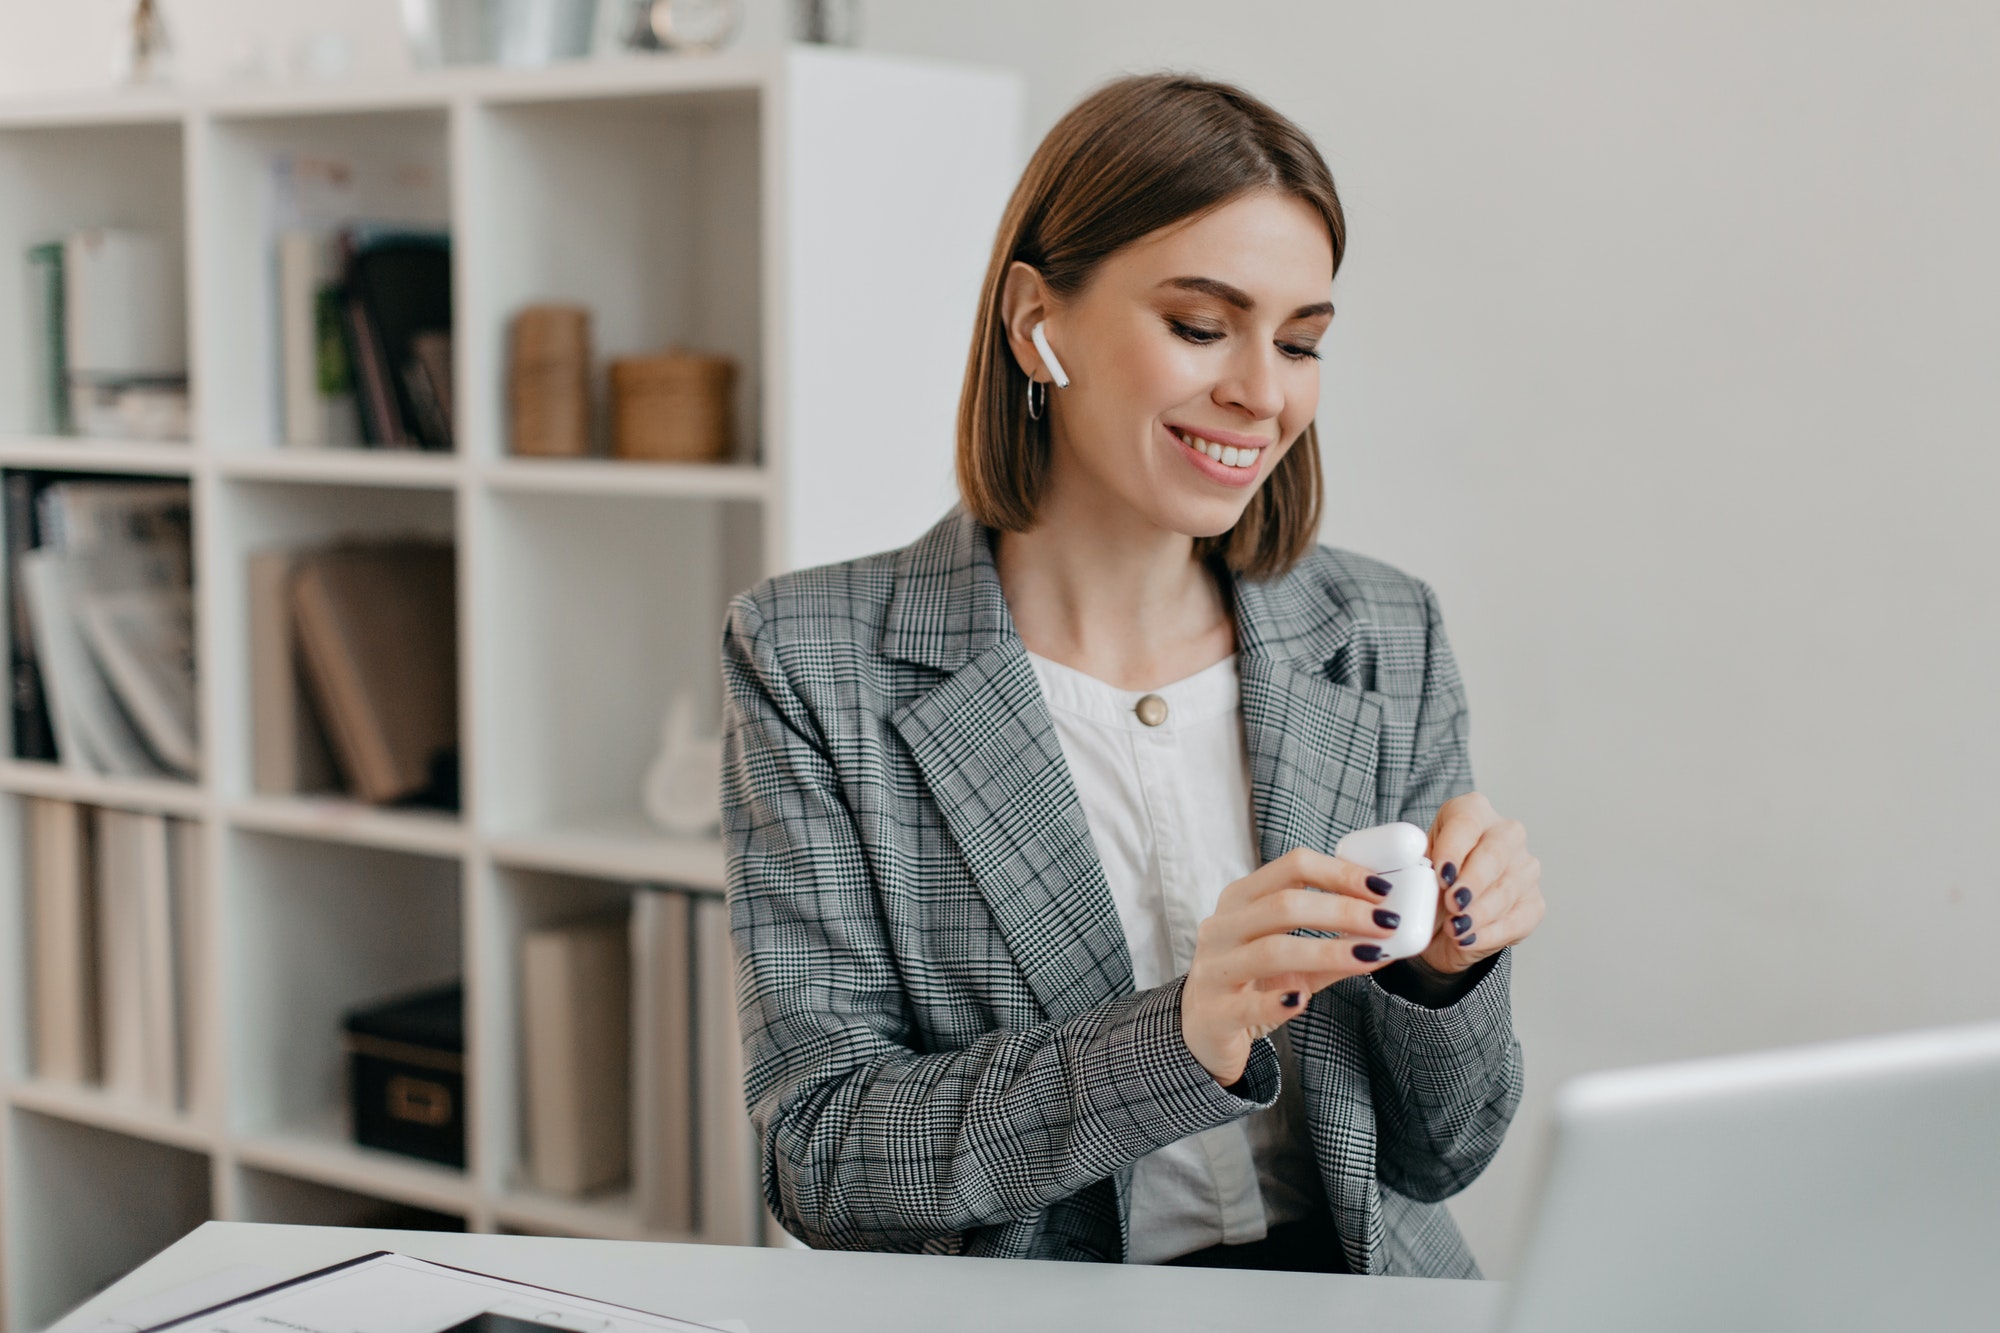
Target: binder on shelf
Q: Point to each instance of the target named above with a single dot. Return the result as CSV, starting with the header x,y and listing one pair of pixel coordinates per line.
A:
x,y
290,753
192,1052
377,632
63,927
732,1201
576,1008
135,966
663,1144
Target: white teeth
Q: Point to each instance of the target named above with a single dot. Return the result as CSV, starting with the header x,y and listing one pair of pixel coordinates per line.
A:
x,y
1227,455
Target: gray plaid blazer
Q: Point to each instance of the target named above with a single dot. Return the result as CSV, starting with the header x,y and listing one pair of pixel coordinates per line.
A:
x,y
944,1049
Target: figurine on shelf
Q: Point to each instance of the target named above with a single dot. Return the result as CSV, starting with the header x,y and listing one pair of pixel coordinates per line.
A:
x,y
684,785
699,26
144,53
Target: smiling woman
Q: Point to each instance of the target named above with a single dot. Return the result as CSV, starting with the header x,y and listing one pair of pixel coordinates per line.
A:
x,y
1044,954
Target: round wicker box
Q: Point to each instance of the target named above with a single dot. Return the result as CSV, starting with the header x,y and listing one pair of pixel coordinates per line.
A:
x,y
673,406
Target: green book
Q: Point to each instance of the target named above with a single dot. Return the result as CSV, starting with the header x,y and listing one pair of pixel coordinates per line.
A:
x,y
53,371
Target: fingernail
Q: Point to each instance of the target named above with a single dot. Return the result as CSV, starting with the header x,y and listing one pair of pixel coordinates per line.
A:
x,y
1387,919
1467,941
1367,953
1460,924
1291,1000
1463,897
1449,874
1377,883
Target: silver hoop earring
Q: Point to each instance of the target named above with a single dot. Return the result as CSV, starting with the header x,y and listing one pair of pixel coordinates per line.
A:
x,y
1037,403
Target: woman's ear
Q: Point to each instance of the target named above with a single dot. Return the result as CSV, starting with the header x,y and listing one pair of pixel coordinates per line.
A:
x,y
1024,303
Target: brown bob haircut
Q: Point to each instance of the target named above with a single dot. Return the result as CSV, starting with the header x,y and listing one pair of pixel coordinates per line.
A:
x,y
1137,155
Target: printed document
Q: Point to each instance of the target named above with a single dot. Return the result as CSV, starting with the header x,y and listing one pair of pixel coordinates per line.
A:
x,y
393,1293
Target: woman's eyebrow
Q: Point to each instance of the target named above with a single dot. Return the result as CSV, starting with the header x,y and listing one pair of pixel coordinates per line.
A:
x,y
1239,298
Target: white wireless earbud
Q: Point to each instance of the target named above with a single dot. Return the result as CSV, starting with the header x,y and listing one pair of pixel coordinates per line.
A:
x,y
1056,371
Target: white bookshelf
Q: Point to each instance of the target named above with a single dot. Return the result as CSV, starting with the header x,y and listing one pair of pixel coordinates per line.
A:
x,y
822,216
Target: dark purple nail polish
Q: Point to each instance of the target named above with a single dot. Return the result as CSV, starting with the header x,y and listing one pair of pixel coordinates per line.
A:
x,y
1449,874
1463,897
1387,919
1378,884
1291,1000
1367,953
1460,924
1467,941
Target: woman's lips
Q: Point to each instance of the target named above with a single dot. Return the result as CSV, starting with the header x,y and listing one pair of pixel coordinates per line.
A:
x,y
1214,470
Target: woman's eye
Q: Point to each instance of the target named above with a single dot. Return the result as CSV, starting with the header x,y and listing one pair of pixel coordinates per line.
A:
x,y
1299,351
1194,333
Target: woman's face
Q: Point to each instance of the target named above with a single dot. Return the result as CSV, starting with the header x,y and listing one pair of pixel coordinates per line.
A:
x,y
1196,340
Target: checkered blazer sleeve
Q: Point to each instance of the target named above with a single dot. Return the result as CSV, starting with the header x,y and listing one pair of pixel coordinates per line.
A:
x,y
1446,1080
868,1142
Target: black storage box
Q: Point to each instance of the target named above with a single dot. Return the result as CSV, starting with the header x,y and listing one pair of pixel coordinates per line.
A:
x,y
406,1074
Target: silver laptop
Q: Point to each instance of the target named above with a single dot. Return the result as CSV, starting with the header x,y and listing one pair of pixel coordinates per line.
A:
x,y
1846,1186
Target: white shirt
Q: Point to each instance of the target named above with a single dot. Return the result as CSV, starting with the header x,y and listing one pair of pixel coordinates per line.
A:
x,y
1170,816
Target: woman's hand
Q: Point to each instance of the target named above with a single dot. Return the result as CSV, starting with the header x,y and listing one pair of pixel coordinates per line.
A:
x,y
1490,885
1247,963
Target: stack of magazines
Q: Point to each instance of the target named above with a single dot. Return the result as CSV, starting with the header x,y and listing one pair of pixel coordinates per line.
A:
x,y
103,661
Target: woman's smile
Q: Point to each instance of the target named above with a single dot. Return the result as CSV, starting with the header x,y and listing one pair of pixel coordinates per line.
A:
x,y
1228,457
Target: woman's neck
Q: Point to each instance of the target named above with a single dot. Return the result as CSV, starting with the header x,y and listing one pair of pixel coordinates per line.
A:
x,y
1125,602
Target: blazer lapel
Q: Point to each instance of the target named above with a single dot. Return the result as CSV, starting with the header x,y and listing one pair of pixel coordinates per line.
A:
x,y
1313,742
987,748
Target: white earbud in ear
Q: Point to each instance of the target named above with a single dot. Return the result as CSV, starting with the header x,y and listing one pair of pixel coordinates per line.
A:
x,y
1048,356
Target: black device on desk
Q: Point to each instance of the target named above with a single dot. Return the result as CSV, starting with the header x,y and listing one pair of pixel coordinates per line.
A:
x,y
406,1074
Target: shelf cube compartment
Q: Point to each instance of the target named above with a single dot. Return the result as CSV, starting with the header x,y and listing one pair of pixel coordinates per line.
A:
x,y
56,182
319,930
263,517
593,614
666,253
103,1204
372,173
528,901
269,1196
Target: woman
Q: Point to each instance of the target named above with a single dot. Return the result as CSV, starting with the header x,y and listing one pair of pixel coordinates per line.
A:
x,y
1043,950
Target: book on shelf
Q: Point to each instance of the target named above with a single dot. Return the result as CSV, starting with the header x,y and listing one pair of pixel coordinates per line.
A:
x,y
34,737
46,319
398,294
731,1207
62,907
319,408
290,753
663,1146
94,735
576,1006
377,631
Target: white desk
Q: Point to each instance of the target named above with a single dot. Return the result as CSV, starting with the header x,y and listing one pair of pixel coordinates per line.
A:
x,y
792,1291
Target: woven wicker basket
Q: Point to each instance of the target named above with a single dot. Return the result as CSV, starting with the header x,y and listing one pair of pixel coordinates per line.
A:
x,y
548,382
673,406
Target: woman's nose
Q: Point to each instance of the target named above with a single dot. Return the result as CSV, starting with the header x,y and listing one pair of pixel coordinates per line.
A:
x,y
1252,386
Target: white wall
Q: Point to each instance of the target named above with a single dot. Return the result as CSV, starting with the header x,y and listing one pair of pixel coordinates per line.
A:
x,y
1667,351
